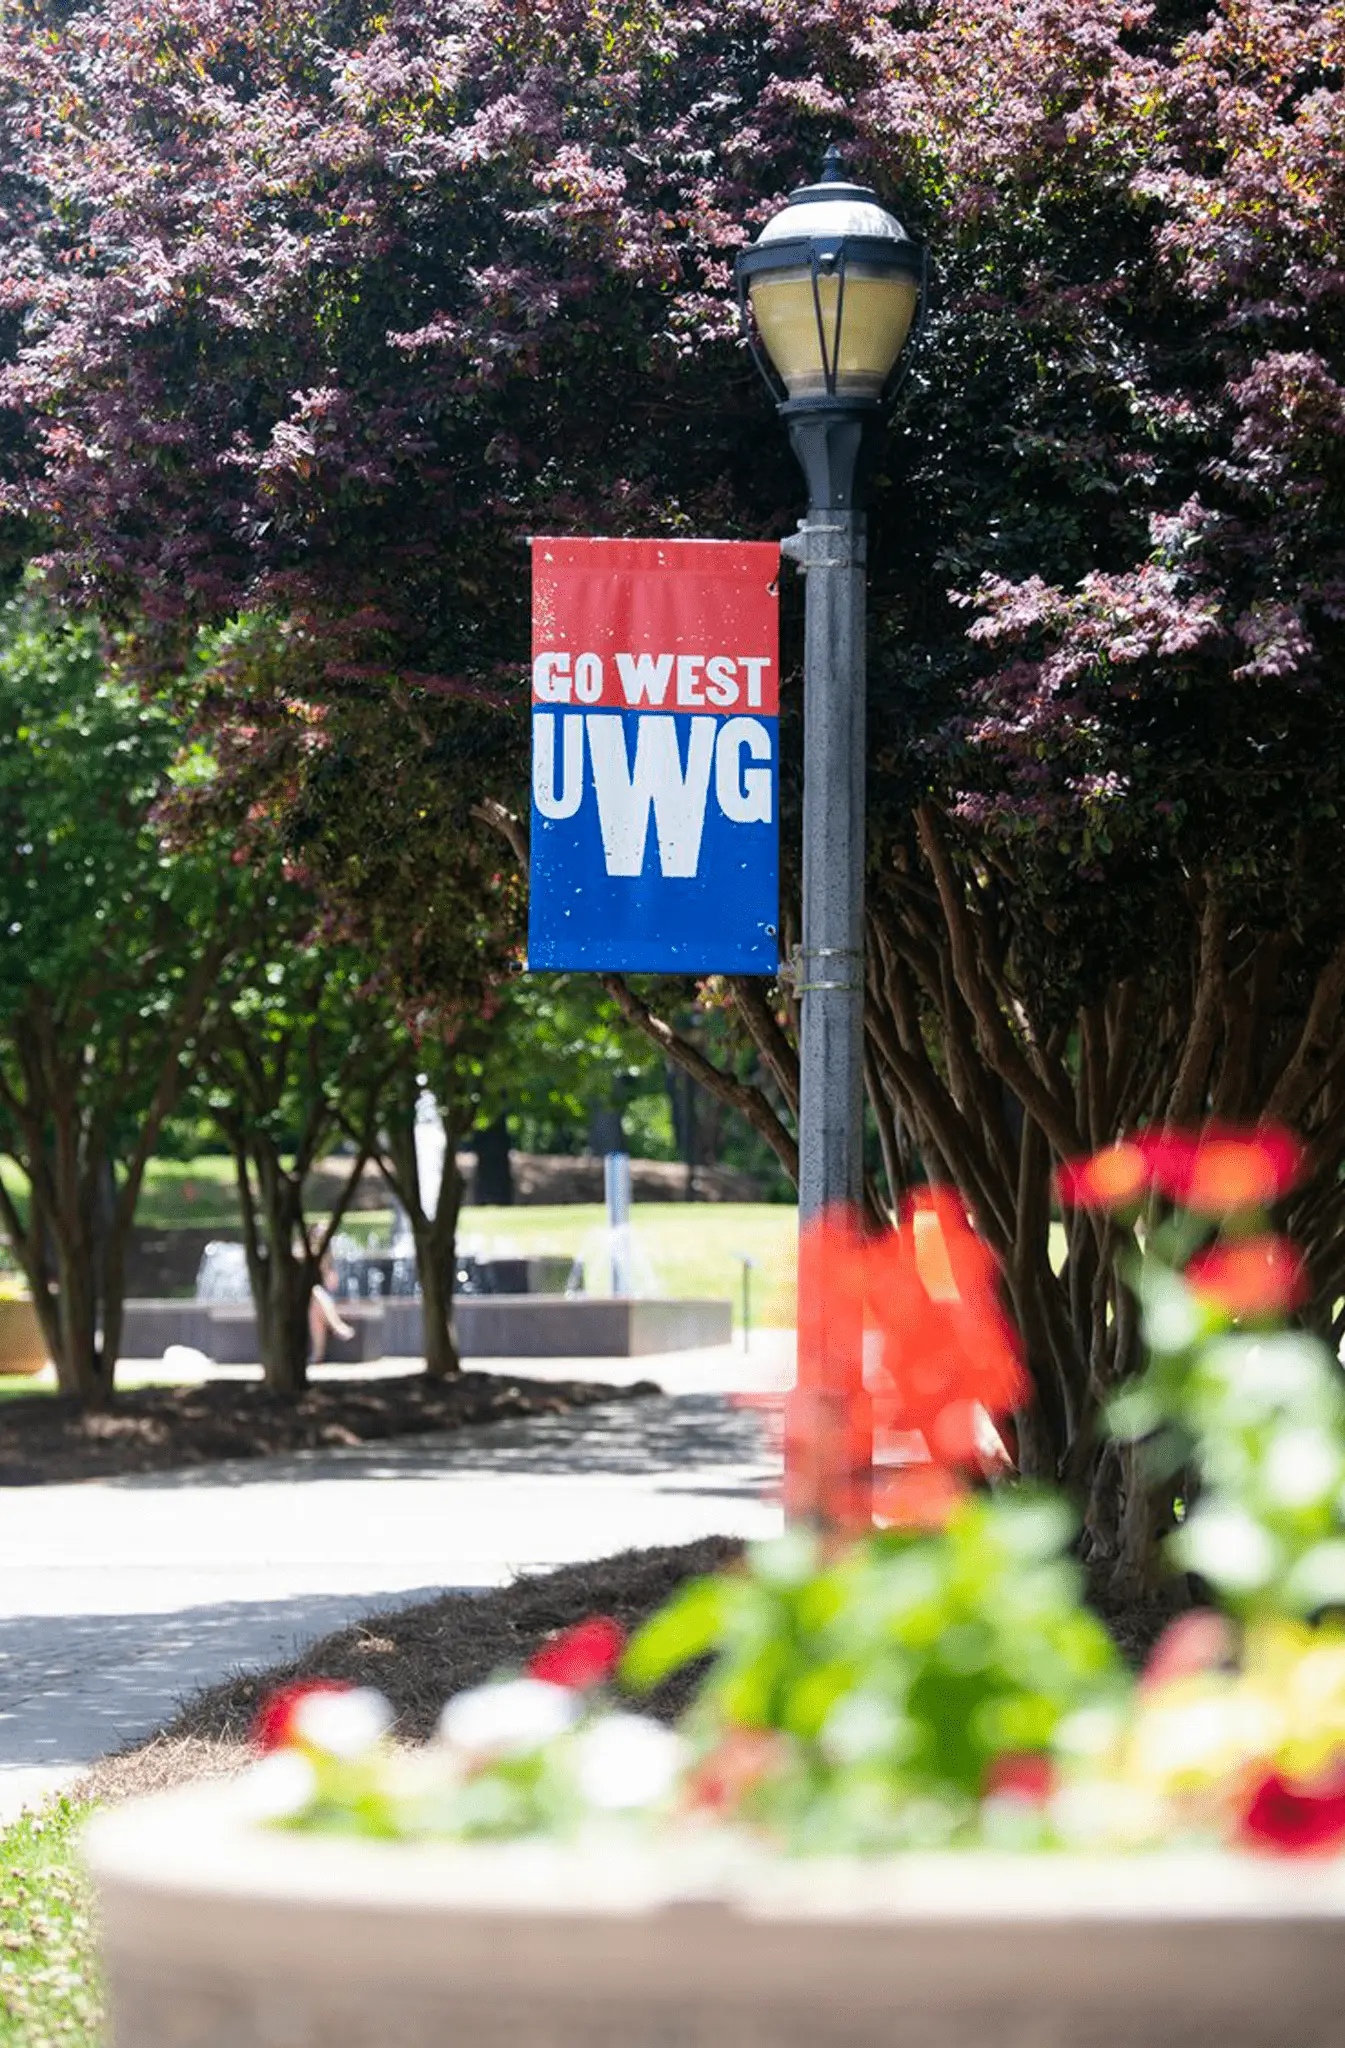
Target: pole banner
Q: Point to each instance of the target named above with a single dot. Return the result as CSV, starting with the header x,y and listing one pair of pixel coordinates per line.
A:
x,y
655,756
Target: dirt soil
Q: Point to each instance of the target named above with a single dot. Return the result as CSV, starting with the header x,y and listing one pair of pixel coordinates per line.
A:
x,y
418,1656
46,1441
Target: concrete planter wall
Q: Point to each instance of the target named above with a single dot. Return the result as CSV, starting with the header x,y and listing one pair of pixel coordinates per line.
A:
x,y
219,1935
488,1326
23,1348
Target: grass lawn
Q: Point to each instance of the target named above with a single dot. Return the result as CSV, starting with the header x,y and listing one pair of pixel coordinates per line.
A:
x,y
18,1386
48,1965
185,1191
681,1248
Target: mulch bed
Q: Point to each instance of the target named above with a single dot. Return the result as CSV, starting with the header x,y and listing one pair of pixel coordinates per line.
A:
x,y
46,1441
417,1656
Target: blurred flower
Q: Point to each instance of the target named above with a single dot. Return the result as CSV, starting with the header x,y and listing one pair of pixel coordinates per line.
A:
x,y
949,1358
828,1427
627,1760
1021,1775
342,1724
738,1762
1295,1819
511,1718
948,1348
276,1725
278,1787
1110,1179
1216,1171
581,1656
916,1496
1202,1641
1198,1732
1219,1171
1254,1276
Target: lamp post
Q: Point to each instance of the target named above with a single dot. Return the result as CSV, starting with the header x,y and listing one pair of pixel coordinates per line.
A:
x,y
828,293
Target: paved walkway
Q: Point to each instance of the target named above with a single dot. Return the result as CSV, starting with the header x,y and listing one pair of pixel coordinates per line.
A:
x,y
117,1597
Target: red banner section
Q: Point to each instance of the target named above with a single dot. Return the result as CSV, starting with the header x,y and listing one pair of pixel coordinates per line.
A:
x,y
655,625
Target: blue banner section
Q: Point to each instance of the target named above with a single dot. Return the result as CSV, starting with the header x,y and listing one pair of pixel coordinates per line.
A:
x,y
654,840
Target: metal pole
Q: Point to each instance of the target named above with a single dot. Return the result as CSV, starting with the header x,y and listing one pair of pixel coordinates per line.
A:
x,y
831,550
828,1432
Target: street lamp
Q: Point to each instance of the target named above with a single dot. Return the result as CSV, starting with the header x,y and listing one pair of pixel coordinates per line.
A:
x,y
829,292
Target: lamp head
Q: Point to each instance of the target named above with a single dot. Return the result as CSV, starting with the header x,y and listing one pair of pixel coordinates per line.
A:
x,y
832,282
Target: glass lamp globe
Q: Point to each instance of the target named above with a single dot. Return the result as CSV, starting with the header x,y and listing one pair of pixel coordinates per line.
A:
x,y
833,281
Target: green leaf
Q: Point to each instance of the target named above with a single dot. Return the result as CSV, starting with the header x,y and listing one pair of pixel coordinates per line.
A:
x,y
689,1626
1134,1412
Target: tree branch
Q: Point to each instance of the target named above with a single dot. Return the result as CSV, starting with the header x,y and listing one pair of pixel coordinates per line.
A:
x,y
739,1095
493,813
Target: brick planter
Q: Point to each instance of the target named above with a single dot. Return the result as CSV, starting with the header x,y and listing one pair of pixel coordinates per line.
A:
x,y
220,1935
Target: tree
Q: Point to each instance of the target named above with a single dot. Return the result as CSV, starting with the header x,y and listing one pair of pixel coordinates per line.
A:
x,y
424,281
300,1043
112,946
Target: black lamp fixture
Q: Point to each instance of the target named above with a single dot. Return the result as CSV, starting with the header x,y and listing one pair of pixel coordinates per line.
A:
x,y
829,292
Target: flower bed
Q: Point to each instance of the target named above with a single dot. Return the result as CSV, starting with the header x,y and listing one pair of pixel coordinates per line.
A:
x,y
915,1778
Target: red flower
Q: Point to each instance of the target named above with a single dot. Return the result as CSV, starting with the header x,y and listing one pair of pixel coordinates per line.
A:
x,y
1216,1171
1257,1276
275,1723
1020,1775
917,1496
948,1347
828,1416
737,1763
1295,1819
931,1289
1219,1171
580,1656
1110,1179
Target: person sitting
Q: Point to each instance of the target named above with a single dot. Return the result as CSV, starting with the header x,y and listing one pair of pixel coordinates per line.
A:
x,y
324,1317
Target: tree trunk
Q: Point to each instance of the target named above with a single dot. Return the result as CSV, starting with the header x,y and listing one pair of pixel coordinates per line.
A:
x,y
281,1301
75,1274
82,1361
437,1268
493,1181
435,1234
281,1280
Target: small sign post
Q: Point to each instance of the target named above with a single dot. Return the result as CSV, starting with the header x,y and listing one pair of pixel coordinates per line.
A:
x,y
655,756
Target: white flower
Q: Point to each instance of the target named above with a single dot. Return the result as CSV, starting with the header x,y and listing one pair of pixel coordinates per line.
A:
x,y
1090,1731
627,1760
1102,1813
860,1725
1194,1737
1225,1544
343,1724
278,1787
508,1719
1300,1468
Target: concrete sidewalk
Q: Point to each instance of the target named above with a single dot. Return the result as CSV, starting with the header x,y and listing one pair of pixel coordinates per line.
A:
x,y
119,1596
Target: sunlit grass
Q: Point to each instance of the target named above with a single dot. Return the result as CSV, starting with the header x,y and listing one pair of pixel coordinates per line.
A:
x,y
686,1248
49,1979
682,1248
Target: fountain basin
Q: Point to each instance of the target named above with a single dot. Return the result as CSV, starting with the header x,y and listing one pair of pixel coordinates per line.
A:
x,y
488,1326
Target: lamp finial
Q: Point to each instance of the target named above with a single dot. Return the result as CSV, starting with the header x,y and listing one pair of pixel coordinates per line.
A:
x,y
833,171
